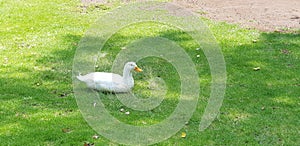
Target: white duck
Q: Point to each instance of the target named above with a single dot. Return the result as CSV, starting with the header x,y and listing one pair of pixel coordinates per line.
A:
x,y
111,82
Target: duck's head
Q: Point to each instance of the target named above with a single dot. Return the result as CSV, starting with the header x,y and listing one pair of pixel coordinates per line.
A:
x,y
132,66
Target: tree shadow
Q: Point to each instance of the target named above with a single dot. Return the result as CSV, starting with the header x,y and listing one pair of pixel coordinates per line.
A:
x,y
255,109
258,108
41,100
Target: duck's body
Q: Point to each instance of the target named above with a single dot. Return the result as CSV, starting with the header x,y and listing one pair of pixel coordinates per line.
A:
x,y
111,82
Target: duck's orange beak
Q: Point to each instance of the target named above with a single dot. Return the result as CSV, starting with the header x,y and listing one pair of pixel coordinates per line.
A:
x,y
137,69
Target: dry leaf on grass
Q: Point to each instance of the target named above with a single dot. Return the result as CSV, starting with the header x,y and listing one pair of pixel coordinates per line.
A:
x,y
88,144
183,134
66,130
95,136
256,68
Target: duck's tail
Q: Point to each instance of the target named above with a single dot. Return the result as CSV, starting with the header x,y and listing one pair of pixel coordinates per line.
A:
x,y
80,77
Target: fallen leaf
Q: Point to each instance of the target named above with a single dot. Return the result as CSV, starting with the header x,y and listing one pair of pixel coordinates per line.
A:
x,y
66,130
183,135
285,51
95,136
88,144
256,68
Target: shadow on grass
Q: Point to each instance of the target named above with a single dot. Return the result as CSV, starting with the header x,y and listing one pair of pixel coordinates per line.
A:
x,y
37,103
260,107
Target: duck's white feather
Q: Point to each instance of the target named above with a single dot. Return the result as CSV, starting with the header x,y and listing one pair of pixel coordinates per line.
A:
x,y
111,82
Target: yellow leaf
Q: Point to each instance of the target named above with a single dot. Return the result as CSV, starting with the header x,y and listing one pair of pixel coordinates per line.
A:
x,y
183,134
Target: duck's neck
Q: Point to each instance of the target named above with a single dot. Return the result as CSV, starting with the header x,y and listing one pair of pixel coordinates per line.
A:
x,y
127,77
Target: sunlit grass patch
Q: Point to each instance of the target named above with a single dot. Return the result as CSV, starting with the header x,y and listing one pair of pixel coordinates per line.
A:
x,y
38,41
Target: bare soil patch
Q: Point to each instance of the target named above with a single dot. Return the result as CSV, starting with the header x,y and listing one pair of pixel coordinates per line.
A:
x,y
265,15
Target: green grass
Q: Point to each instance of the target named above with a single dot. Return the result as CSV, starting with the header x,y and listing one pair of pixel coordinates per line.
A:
x,y
38,40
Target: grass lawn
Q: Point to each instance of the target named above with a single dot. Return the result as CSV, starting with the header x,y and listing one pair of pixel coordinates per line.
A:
x,y
38,40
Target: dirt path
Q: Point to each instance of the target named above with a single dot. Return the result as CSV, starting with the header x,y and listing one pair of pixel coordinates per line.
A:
x,y
266,15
